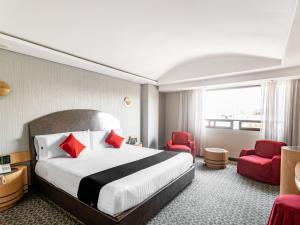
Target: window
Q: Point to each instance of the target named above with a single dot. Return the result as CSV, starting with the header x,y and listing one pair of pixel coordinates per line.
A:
x,y
234,108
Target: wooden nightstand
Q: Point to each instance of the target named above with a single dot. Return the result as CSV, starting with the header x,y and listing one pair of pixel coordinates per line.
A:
x,y
139,144
14,186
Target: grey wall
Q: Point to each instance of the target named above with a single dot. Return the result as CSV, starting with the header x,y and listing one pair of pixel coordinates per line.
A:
x,y
171,113
150,115
41,87
162,121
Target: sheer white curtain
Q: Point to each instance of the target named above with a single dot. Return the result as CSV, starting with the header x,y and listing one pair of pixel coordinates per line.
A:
x,y
280,111
191,116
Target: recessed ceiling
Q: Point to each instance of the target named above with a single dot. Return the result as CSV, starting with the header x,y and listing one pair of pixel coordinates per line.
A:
x,y
152,38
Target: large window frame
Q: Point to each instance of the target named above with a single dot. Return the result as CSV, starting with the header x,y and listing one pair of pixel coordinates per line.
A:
x,y
233,124
213,123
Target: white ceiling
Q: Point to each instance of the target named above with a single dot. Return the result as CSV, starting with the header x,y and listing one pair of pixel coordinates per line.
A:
x,y
170,40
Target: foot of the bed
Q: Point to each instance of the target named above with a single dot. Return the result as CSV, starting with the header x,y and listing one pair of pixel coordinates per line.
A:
x,y
135,216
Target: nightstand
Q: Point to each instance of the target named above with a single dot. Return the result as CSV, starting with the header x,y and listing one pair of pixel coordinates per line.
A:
x,y
13,185
139,144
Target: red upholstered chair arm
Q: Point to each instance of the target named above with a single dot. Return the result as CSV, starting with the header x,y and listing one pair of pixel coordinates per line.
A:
x,y
245,152
169,143
276,160
192,145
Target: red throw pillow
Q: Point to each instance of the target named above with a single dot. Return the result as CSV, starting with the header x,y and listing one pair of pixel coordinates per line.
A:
x,y
72,146
114,139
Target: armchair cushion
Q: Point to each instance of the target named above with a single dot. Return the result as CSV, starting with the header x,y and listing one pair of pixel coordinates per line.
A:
x,y
179,147
181,138
267,148
255,159
255,166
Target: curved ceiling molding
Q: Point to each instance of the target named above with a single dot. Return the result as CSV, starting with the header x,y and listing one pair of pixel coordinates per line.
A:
x,y
217,65
292,51
245,78
28,48
148,38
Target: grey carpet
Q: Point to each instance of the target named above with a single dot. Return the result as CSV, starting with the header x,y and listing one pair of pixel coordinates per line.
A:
x,y
214,197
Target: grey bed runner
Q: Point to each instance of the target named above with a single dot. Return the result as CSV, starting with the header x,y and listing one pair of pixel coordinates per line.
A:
x,y
90,186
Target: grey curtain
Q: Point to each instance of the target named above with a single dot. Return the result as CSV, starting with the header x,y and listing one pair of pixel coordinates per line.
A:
x,y
294,121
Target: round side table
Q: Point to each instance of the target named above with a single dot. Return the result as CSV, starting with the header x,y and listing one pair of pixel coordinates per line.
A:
x,y
290,156
216,158
13,185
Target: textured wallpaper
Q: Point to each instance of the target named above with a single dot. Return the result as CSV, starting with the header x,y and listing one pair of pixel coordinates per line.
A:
x,y
40,87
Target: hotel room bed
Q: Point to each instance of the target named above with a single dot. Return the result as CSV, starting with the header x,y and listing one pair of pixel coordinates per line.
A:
x,y
132,199
122,194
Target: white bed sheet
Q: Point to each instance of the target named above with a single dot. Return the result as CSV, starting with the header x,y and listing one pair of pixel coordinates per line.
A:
x,y
120,195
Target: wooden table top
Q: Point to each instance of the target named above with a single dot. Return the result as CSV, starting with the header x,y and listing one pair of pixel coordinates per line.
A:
x,y
216,150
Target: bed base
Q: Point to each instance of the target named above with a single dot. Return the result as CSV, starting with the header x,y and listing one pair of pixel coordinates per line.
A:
x,y
138,215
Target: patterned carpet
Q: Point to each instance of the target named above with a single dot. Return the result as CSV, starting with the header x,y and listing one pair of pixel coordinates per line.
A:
x,y
214,197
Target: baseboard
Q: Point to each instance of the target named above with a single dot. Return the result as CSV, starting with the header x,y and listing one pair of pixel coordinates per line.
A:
x,y
233,159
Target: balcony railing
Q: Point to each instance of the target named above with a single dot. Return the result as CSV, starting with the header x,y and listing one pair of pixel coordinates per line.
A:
x,y
253,125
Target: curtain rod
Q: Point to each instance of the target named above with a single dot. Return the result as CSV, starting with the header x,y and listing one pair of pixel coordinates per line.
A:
x,y
235,87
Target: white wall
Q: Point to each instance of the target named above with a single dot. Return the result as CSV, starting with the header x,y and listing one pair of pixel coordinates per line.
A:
x,y
232,140
161,120
41,87
172,113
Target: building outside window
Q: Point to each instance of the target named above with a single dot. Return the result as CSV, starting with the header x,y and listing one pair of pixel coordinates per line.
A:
x,y
234,108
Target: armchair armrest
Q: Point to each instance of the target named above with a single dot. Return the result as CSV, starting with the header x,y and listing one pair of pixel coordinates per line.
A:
x,y
276,161
245,152
276,157
169,143
192,145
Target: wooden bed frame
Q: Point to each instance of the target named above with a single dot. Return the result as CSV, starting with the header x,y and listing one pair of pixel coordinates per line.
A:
x,y
81,120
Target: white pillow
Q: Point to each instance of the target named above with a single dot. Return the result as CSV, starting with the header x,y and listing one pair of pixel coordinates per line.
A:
x,y
98,138
47,146
109,122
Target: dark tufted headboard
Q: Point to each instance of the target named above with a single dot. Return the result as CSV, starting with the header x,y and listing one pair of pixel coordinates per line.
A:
x,y
62,121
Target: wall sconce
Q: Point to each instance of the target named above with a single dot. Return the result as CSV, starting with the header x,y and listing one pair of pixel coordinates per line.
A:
x,y
4,88
127,102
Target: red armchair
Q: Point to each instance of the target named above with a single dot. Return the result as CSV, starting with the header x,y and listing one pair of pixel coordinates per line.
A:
x,y
182,141
263,162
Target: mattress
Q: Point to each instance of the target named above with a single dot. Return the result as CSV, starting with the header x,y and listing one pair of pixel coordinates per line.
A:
x,y
122,194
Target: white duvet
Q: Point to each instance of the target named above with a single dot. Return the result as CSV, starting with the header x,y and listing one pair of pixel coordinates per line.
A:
x,y
120,195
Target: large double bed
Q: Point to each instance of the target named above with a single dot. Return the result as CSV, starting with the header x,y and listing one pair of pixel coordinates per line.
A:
x,y
130,199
